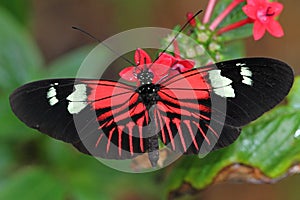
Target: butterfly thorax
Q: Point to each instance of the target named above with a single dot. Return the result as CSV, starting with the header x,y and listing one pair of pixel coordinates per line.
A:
x,y
148,90
148,94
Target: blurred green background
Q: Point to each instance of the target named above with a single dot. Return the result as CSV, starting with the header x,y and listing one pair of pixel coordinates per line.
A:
x,y
37,41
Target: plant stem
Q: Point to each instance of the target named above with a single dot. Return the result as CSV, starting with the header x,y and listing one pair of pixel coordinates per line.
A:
x,y
209,10
227,10
234,26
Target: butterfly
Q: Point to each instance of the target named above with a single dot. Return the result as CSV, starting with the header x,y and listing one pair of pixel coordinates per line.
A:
x,y
196,111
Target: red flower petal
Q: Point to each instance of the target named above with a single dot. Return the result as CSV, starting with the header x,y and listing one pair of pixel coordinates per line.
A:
x,y
162,66
159,71
276,8
141,56
258,30
275,29
165,59
189,16
128,74
261,2
166,64
184,65
250,11
251,2
189,64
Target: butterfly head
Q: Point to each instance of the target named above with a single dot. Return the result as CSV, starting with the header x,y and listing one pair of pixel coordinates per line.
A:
x,y
145,77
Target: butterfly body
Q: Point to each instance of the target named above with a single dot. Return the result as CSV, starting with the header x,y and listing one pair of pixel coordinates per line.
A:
x,y
148,94
196,111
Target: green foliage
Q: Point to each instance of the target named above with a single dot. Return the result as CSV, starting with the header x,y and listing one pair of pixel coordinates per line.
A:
x,y
268,144
32,183
294,97
234,49
236,15
19,61
20,9
68,65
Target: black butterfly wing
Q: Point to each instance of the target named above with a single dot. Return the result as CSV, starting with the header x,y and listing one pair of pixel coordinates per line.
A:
x,y
258,84
196,111
98,117
205,108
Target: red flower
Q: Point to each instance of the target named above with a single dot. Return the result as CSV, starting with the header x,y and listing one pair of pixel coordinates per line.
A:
x,y
263,13
160,68
190,18
180,64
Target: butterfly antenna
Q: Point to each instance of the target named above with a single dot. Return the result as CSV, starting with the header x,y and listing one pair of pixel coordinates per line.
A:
x,y
182,28
108,47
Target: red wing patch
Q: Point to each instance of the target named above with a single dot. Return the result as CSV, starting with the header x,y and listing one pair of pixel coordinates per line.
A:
x,y
121,117
183,113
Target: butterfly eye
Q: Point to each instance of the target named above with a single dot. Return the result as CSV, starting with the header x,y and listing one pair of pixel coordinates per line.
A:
x,y
150,75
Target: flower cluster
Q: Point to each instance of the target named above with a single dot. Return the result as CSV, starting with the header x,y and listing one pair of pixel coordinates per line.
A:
x,y
262,13
166,64
208,34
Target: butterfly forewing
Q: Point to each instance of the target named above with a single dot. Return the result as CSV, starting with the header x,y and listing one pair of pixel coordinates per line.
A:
x,y
181,108
97,116
185,116
32,104
209,105
256,85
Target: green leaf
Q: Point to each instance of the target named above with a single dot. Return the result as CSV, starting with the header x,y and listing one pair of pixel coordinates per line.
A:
x,y
269,145
20,9
7,160
19,62
32,183
87,178
85,62
233,50
294,97
67,65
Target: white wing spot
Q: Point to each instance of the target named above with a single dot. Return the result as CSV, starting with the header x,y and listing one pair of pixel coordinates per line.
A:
x,y
240,64
245,71
226,91
51,92
247,74
51,95
221,85
246,80
77,99
53,101
217,80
